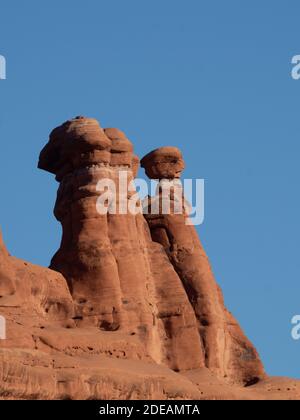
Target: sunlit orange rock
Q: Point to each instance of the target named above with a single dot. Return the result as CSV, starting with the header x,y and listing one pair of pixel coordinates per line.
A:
x,y
129,308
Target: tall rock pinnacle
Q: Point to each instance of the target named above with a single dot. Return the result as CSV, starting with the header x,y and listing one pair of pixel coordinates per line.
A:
x,y
154,281
226,350
119,278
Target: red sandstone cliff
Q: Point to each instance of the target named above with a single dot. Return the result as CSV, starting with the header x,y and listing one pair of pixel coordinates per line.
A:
x,y
129,307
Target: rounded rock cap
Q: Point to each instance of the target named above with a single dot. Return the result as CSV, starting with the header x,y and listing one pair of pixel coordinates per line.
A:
x,y
81,142
77,135
163,163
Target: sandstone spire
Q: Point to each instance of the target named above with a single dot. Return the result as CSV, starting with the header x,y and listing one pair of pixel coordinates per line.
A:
x,y
226,349
119,278
123,276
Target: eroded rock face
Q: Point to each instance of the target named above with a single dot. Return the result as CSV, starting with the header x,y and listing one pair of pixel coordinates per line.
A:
x,y
130,308
31,298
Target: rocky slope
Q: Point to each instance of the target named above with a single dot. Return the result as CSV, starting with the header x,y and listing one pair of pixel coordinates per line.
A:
x,y
129,307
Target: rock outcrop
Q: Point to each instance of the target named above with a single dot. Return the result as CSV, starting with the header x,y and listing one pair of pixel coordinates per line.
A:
x,y
129,307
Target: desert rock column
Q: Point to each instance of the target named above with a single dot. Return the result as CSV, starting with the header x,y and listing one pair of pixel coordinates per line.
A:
x,y
227,351
119,278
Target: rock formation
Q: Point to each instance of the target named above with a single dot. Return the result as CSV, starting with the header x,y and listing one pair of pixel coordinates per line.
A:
x,y
226,350
129,307
119,278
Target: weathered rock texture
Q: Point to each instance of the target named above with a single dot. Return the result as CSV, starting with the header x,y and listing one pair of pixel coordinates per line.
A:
x,y
130,307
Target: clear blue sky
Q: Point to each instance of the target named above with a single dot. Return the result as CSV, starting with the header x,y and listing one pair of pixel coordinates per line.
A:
x,y
211,77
